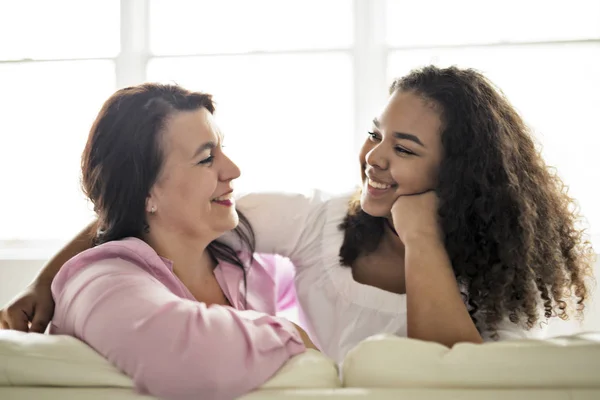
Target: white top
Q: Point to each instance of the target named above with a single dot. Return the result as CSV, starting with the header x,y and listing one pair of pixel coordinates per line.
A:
x,y
338,311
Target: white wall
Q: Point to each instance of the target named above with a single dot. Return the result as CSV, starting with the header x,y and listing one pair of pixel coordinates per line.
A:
x,y
16,274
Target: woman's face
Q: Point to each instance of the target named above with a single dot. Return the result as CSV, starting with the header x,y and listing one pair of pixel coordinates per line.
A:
x,y
401,154
193,193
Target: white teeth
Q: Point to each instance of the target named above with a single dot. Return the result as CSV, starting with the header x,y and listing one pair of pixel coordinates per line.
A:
x,y
227,196
378,185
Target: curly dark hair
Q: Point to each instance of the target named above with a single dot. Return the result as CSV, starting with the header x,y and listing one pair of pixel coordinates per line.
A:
x,y
511,230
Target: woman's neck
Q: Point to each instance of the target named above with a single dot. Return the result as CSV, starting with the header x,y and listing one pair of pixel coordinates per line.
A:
x,y
190,256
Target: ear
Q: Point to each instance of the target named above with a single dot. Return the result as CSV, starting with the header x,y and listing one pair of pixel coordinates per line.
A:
x,y
150,206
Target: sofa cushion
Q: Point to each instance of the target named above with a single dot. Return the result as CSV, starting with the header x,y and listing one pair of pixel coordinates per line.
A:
x,y
392,362
310,369
33,359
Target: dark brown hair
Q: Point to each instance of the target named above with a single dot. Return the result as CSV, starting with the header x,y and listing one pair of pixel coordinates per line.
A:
x,y
123,157
510,227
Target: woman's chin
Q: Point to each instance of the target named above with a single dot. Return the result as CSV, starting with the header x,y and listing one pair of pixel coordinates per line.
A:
x,y
233,222
227,224
374,210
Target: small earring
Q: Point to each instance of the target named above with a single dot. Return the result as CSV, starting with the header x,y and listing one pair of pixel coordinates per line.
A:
x,y
153,210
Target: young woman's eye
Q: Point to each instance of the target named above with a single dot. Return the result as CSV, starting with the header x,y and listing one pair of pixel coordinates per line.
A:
x,y
373,136
402,150
207,160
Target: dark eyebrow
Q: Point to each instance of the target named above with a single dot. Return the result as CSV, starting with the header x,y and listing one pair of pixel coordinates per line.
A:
x,y
408,136
205,146
401,135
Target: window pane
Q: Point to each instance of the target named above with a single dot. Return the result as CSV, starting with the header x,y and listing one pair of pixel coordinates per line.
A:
x,y
414,23
226,26
49,108
287,119
41,29
555,89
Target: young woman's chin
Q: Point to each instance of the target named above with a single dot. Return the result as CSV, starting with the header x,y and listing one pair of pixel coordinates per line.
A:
x,y
374,208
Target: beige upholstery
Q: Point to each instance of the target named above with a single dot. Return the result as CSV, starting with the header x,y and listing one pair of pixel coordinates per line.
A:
x,y
311,370
390,362
33,359
38,393
42,367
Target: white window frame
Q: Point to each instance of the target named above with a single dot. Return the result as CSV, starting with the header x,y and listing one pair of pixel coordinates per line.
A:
x,y
369,54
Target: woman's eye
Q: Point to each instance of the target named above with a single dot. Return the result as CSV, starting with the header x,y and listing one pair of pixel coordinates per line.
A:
x,y
373,136
207,160
403,150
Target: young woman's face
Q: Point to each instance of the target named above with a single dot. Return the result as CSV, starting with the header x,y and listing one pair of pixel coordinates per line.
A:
x,y
401,154
193,193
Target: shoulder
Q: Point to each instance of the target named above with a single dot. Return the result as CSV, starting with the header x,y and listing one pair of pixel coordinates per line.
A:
x,y
129,251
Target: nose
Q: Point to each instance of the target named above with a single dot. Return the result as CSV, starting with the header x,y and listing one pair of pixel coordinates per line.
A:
x,y
377,157
230,171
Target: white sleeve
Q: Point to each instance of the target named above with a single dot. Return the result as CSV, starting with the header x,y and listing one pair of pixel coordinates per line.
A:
x,y
290,225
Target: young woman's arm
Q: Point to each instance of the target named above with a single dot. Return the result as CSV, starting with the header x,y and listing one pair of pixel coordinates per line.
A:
x,y
288,224
285,224
435,308
35,305
78,244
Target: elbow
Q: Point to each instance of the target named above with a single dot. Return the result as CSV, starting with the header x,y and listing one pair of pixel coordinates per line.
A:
x,y
207,380
203,373
228,381
476,339
449,342
448,339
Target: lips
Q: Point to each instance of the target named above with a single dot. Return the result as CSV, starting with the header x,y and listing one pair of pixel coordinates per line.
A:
x,y
227,196
373,178
376,187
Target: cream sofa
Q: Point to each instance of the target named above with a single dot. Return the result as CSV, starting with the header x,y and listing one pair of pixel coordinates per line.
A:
x,y
43,367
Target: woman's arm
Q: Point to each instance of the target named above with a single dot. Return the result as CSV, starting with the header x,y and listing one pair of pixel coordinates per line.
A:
x,y
35,305
288,224
78,244
435,308
171,347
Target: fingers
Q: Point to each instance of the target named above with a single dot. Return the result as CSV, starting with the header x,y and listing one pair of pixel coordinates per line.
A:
x,y
41,319
14,318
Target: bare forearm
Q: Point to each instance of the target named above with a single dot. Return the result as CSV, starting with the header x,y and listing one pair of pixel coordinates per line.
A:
x,y
436,311
78,244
